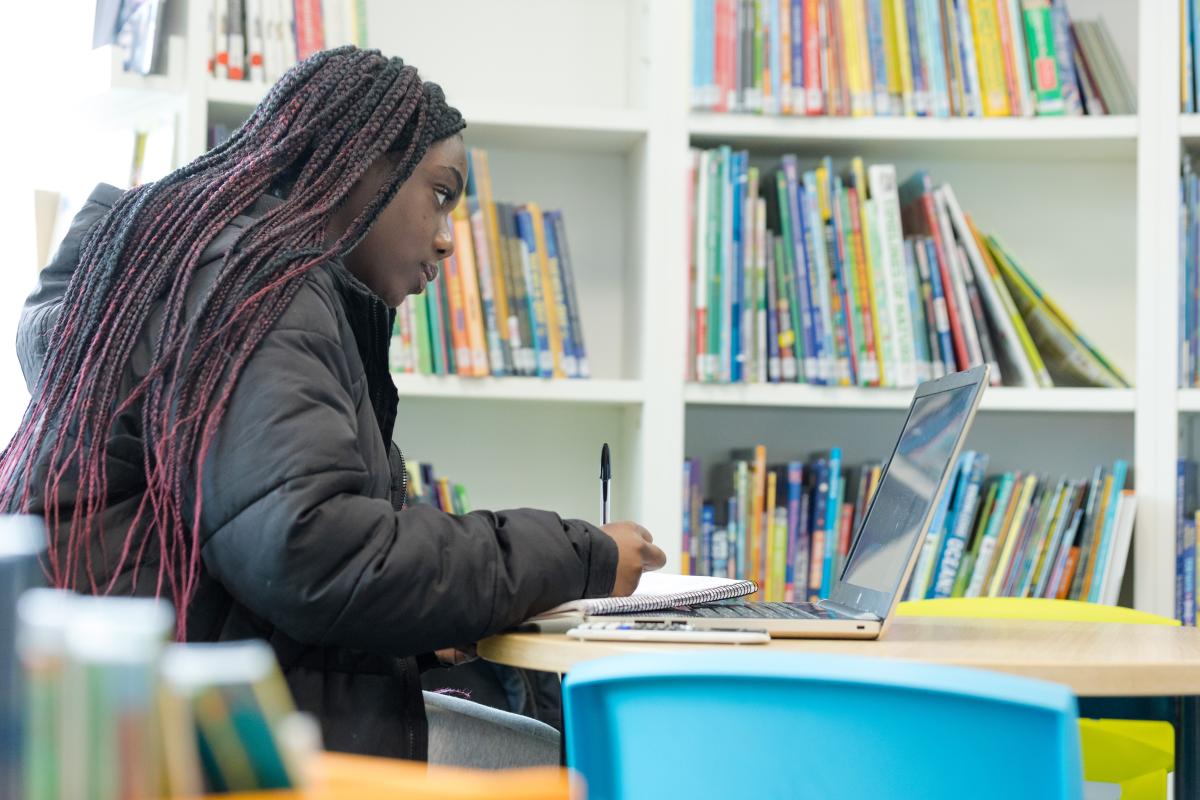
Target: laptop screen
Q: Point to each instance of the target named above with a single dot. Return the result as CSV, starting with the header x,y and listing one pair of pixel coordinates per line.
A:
x,y
907,492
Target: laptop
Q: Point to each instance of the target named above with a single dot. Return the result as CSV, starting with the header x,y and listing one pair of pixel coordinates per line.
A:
x,y
881,559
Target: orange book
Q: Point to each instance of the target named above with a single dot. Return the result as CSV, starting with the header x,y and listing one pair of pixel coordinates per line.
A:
x,y
768,523
1068,576
757,534
457,323
444,495
469,284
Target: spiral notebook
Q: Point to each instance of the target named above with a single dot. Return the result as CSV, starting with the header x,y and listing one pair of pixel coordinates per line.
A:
x,y
656,592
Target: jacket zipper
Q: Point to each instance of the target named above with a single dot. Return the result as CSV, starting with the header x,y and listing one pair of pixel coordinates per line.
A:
x,y
403,478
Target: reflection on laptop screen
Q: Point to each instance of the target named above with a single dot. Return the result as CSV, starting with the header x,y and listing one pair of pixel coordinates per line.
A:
x,y
906,491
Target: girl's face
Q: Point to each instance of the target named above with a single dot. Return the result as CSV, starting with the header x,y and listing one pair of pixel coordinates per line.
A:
x,y
401,252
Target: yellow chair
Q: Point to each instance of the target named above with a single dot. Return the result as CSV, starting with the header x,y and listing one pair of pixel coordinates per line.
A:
x,y
1135,754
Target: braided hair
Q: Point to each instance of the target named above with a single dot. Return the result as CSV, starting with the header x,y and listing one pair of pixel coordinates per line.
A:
x,y
317,131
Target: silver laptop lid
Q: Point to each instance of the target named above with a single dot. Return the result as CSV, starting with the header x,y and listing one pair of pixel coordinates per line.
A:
x,y
919,470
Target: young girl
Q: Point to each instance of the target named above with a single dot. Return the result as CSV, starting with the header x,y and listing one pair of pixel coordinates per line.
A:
x,y
212,414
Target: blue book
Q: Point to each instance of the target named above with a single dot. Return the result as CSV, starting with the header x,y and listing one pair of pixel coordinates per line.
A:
x,y
1064,54
537,302
803,537
795,488
933,56
806,366
879,73
1120,469
738,268
1189,58
688,466
1189,573
955,545
820,538
833,507
921,105
707,518
1181,467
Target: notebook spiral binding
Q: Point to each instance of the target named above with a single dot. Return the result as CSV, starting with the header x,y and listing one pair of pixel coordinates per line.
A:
x,y
658,602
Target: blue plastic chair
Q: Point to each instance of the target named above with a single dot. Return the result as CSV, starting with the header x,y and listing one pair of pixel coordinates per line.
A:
x,y
791,725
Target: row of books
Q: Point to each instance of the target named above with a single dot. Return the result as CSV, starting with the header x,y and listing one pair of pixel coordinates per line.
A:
x,y
1189,274
787,527
817,277
112,710
506,302
924,58
1187,522
426,488
790,526
1020,535
259,40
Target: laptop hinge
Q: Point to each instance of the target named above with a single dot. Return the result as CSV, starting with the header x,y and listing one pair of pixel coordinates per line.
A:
x,y
846,611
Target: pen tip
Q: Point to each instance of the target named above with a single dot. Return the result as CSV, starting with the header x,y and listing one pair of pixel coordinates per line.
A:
x,y
605,469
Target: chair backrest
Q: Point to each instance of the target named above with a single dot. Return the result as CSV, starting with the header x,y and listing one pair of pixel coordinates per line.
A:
x,y
1031,608
746,724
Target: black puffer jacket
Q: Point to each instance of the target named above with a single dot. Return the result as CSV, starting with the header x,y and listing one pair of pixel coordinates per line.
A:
x,y
303,544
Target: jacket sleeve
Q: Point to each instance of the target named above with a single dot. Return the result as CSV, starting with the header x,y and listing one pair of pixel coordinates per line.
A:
x,y
41,307
294,537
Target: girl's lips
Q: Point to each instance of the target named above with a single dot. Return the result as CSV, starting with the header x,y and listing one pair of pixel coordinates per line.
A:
x,y
430,270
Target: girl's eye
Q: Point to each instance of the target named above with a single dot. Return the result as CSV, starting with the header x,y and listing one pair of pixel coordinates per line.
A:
x,y
442,195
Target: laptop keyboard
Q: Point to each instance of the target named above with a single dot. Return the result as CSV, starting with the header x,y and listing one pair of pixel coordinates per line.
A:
x,y
754,610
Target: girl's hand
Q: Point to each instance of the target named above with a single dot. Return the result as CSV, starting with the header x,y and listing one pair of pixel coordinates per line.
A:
x,y
636,553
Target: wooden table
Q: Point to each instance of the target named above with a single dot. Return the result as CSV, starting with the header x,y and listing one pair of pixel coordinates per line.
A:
x,y
1094,659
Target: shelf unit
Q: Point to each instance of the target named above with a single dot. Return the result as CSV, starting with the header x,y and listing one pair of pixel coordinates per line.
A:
x,y
586,110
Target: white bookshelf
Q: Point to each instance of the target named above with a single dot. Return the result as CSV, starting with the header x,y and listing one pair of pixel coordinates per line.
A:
x,y
583,105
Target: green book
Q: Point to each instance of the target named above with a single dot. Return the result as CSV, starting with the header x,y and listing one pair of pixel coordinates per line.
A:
x,y
1043,62
421,335
433,319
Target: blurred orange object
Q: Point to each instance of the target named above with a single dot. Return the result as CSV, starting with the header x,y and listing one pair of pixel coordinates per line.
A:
x,y
338,776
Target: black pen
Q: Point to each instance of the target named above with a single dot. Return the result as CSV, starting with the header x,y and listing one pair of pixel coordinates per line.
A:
x,y
605,477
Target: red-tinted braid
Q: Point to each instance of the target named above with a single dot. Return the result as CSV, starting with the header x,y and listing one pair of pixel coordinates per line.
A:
x,y
319,129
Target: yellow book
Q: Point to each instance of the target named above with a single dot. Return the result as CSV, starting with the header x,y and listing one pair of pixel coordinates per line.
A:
x,y
899,33
553,331
464,250
483,183
1009,537
779,559
854,43
769,521
990,57
891,56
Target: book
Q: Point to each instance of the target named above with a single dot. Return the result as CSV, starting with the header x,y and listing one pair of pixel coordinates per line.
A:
x,y
656,592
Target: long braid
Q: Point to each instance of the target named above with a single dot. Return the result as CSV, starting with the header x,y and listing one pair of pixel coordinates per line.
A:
x,y
320,127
